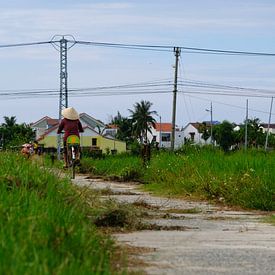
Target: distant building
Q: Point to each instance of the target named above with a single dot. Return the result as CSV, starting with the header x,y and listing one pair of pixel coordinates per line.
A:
x,y
264,126
110,130
93,136
162,133
192,133
43,125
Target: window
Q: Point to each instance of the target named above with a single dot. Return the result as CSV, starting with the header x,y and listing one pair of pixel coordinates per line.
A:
x,y
154,138
165,137
94,141
192,135
110,132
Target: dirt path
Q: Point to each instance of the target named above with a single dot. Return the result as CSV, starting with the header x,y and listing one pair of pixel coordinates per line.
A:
x,y
206,239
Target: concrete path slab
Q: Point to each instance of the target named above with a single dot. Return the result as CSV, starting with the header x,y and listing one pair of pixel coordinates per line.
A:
x,y
211,240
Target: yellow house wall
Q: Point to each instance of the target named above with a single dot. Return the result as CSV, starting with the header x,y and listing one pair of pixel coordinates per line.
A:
x,y
86,141
49,141
104,143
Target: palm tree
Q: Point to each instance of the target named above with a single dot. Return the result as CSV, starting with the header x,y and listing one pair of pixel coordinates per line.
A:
x,y
142,119
9,122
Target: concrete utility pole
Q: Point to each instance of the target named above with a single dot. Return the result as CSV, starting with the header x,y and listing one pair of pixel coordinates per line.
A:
x,y
267,132
211,125
246,121
177,54
160,132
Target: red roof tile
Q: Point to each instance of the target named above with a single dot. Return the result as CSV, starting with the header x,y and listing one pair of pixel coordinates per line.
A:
x,y
164,127
112,126
52,121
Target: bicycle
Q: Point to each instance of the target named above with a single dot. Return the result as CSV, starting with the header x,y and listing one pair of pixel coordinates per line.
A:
x,y
73,152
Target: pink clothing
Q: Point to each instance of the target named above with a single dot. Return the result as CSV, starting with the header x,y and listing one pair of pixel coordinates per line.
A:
x,y
70,127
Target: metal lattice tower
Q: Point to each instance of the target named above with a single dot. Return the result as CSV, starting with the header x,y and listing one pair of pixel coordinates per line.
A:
x,y
62,47
63,96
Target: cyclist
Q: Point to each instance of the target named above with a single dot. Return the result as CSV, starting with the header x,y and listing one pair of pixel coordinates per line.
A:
x,y
71,126
26,150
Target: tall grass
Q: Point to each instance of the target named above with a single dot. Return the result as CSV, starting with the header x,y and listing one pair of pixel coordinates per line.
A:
x,y
43,225
122,166
245,179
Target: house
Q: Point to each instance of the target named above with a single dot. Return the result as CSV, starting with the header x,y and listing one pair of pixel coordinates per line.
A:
x,y
110,130
43,125
265,127
162,133
193,132
91,138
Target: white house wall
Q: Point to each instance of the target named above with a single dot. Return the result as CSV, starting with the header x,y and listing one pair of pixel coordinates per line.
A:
x,y
197,137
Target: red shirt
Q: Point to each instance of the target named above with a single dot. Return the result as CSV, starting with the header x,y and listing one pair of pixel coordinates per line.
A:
x,y
70,127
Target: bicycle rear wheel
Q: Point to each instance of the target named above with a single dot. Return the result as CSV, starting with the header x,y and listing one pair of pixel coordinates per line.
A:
x,y
74,154
73,169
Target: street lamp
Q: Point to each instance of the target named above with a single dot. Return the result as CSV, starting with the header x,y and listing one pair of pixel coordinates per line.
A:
x,y
211,122
160,137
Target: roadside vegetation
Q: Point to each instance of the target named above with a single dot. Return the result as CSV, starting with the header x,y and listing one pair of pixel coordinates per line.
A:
x,y
47,225
245,179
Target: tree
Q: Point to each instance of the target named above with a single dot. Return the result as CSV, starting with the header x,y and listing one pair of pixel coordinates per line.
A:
x,y
255,134
142,119
13,134
224,135
124,125
10,122
205,130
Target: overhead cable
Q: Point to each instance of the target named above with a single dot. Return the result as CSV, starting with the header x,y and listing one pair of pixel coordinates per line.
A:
x,y
25,44
170,48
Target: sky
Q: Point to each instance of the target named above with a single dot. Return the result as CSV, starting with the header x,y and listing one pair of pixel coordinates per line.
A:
x,y
246,25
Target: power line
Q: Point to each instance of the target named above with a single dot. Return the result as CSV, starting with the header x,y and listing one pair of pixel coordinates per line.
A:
x,y
195,87
227,104
25,44
170,48
166,48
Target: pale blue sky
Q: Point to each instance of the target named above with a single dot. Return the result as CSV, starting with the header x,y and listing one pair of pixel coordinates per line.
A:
x,y
230,25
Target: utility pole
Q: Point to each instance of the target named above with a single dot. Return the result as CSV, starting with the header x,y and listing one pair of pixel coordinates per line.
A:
x,y
211,125
267,132
177,54
160,132
246,121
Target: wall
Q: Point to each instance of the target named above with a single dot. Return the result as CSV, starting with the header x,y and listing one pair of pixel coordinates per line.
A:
x,y
86,141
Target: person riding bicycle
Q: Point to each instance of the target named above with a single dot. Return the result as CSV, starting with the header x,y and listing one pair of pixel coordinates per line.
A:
x,y
71,126
27,150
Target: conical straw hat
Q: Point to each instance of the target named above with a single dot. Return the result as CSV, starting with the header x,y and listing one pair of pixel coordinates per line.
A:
x,y
70,113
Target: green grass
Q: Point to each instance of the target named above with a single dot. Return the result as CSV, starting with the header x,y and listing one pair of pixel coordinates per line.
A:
x,y
270,219
245,179
44,227
124,167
